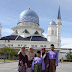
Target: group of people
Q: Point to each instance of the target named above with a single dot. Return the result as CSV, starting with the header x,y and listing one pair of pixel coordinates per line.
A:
x,y
39,62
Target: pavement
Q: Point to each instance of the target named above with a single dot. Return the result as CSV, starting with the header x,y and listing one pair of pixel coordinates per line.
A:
x,y
12,67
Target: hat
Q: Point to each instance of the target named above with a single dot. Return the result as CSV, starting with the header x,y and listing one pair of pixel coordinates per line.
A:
x,y
43,48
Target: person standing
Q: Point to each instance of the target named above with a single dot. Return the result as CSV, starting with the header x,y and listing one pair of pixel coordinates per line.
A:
x,y
45,57
31,56
38,63
53,59
23,59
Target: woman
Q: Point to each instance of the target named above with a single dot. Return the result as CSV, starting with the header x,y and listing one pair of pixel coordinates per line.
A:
x,y
30,55
45,57
23,59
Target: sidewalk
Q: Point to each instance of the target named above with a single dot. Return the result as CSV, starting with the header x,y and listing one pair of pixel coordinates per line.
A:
x,y
9,61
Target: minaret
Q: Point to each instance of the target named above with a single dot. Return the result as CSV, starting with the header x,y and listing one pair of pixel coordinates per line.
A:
x,y
52,32
59,28
0,30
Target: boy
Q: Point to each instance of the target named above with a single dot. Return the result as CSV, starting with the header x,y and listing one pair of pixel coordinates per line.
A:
x,y
53,59
38,63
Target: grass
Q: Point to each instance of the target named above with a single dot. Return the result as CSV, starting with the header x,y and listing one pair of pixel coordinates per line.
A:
x,y
2,60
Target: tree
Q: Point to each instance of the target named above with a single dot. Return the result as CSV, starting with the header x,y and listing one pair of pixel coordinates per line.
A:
x,y
69,56
8,52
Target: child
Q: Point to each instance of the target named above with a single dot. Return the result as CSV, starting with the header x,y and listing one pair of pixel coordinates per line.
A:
x,y
38,63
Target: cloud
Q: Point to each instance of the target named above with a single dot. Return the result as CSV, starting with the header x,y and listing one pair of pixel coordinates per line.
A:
x,y
6,31
66,43
66,46
8,21
66,4
45,35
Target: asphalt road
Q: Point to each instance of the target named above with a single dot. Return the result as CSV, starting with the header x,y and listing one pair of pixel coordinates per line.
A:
x,y
12,67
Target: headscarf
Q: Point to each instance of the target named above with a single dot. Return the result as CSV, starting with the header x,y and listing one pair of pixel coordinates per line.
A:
x,y
23,52
30,54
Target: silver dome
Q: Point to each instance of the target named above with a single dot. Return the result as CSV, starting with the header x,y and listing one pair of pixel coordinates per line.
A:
x,y
29,15
52,23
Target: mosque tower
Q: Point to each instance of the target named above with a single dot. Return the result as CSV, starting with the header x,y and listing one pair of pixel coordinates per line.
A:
x,y
0,30
52,32
59,28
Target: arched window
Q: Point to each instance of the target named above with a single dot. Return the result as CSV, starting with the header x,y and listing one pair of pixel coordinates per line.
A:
x,y
52,32
55,32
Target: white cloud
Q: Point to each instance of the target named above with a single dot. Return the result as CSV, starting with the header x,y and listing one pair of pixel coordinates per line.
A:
x,y
66,46
66,42
45,35
6,31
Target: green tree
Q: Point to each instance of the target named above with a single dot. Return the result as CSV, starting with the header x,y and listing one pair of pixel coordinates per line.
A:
x,y
8,52
69,56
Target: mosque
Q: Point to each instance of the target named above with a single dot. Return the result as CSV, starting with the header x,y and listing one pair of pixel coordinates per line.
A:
x,y
28,33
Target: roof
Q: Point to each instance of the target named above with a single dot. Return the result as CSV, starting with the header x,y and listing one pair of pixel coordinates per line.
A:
x,y
29,15
52,23
59,15
30,38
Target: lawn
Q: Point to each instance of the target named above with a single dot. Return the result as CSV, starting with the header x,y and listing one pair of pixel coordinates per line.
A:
x,y
2,60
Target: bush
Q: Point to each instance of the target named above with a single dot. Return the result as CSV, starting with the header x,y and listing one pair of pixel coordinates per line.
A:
x,y
8,52
69,56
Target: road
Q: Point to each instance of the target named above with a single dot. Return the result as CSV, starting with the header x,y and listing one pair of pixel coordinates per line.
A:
x,y
12,67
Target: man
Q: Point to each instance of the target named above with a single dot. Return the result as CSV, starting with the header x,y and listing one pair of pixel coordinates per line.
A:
x,y
45,57
53,59
38,63
31,56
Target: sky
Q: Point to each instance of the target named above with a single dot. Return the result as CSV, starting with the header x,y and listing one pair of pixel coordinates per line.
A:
x,y
47,11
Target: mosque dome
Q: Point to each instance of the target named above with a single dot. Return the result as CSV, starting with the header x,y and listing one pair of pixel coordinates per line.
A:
x,y
52,23
29,15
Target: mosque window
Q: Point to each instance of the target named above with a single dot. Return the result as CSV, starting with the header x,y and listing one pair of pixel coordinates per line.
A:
x,y
52,32
25,45
55,32
41,45
32,45
25,31
44,45
8,44
18,45
36,32
3,44
21,45
11,44
35,45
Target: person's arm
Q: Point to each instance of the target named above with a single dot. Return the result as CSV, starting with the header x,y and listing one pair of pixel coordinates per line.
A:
x,y
47,60
20,56
20,59
26,61
56,61
32,65
43,64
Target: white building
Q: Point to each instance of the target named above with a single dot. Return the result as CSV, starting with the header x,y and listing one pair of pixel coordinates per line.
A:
x,y
28,33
